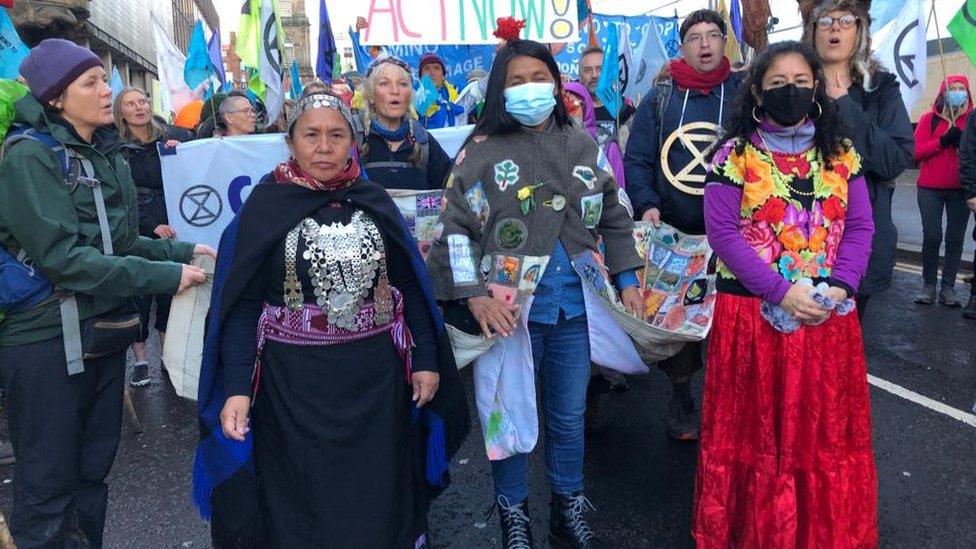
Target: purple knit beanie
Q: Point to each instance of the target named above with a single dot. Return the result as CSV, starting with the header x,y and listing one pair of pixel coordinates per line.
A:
x,y
54,64
429,58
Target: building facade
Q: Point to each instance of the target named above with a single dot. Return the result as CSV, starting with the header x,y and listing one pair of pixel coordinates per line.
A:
x,y
119,31
295,24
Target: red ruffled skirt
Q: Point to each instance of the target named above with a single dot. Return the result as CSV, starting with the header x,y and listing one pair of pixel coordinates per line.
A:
x,y
785,458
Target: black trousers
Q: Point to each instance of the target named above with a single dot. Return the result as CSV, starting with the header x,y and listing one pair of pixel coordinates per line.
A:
x,y
932,203
65,431
681,367
144,304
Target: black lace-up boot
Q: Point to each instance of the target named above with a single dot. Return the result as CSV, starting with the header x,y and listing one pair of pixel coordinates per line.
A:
x,y
567,528
516,524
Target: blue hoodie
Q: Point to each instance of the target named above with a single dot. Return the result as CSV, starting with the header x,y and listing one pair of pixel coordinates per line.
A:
x,y
647,186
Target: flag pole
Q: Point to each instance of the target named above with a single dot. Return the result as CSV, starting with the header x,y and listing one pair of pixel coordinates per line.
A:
x,y
933,16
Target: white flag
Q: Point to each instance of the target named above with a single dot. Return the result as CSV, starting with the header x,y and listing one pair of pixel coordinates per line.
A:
x,y
902,50
651,56
169,66
626,60
269,61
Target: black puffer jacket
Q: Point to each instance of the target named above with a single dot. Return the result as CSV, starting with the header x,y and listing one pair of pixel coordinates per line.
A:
x,y
147,175
878,123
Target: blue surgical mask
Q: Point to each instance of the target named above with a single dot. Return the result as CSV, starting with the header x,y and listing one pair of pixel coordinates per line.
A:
x,y
530,104
957,98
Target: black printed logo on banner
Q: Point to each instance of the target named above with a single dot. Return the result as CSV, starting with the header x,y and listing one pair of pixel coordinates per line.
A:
x,y
967,15
906,61
271,50
201,205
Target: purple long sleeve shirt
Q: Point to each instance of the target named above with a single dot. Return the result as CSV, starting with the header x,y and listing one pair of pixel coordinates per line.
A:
x,y
723,204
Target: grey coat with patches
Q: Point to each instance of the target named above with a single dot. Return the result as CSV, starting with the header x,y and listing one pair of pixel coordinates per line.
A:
x,y
550,157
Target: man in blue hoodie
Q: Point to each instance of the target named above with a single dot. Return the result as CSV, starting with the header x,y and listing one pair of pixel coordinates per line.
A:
x,y
665,165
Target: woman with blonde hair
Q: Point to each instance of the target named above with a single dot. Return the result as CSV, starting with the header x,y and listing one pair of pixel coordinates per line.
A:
x,y
140,132
870,103
396,151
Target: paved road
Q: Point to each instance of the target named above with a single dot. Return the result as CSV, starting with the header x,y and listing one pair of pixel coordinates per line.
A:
x,y
640,482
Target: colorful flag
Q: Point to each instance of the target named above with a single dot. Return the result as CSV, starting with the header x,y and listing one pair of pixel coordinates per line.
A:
x,y
903,49
198,66
216,60
116,83
963,28
325,64
12,49
296,81
169,66
249,33
732,48
884,12
608,88
736,17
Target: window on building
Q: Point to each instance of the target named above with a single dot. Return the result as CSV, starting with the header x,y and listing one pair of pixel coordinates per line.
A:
x,y
183,21
284,8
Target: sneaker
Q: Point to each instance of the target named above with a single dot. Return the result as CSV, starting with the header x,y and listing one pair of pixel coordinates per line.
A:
x,y
681,423
926,296
949,298
140,375
970,310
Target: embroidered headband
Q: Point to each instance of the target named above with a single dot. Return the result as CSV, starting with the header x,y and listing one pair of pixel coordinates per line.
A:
x,y
391,60
319,100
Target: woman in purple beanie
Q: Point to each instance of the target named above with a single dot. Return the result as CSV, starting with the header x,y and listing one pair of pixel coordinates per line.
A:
x,y
68,210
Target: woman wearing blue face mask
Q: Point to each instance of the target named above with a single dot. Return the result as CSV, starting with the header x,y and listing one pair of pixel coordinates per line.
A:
x,y
528,192
940,190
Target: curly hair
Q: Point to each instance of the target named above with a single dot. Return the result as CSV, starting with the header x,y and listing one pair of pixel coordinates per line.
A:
x,y
829,136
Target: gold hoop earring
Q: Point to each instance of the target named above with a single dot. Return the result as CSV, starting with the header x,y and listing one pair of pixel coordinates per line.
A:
x,y
819,110
755,116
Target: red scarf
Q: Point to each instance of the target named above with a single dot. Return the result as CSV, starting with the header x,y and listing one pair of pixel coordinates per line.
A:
x,y
291,172
689,79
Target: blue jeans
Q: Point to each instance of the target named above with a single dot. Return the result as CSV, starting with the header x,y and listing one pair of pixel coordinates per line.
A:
x,y
561,353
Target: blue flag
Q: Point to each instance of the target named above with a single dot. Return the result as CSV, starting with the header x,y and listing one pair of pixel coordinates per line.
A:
x,y
116,83
608,88
735,15
327,45
213,50
12,49
198,67
296,81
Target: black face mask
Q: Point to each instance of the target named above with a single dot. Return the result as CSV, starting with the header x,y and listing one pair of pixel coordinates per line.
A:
x,y
788,104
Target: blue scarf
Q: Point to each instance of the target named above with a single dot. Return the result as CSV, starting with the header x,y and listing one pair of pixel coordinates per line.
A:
x,y
393,136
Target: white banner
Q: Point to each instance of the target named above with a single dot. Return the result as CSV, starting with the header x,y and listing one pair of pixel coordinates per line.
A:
x,y
399,22
207,181
902,50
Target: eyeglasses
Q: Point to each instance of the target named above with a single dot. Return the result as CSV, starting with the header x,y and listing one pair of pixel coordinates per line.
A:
x,y
245,110
710,36
846,21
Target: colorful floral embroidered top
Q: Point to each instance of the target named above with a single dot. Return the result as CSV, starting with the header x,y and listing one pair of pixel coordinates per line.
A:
x,y
793,207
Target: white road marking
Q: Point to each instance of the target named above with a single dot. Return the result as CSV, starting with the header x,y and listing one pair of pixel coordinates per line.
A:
x,y
934,405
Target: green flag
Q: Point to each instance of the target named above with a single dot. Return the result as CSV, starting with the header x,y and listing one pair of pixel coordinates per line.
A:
x,y
249,33
963,28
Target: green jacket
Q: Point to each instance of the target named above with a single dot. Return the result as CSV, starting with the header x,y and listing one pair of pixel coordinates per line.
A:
x,y
58,228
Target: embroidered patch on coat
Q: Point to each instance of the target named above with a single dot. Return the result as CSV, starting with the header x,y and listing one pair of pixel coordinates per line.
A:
x,y
478,202
511,233
506,174
592,208
462,261
586,175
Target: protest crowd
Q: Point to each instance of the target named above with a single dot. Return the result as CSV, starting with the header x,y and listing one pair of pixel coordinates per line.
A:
x,y
735,219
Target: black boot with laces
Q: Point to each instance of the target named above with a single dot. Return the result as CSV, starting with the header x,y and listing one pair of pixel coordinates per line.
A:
x,y
515,523
567,528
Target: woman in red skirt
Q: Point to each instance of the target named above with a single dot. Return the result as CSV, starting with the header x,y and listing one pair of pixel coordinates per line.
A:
x,y
786,457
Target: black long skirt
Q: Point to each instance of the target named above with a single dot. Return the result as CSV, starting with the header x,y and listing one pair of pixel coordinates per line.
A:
x,y
332,444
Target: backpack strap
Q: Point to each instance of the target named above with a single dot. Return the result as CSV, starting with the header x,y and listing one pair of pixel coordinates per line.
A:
x,y
663,88
76,170
421,139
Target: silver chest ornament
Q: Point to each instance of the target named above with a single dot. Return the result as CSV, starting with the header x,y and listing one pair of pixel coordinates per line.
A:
x,y
347,261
